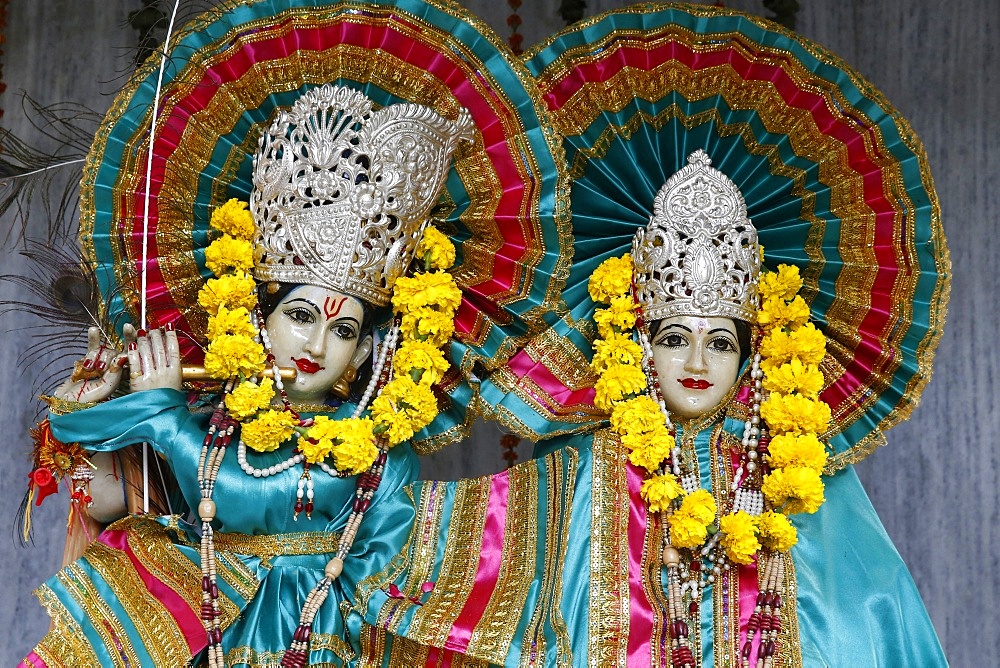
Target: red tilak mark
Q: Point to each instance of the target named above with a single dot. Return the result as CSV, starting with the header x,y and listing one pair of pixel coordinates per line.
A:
x,y
332,306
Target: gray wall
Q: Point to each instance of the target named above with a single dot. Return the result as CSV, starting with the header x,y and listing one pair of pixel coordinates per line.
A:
x,y
934,485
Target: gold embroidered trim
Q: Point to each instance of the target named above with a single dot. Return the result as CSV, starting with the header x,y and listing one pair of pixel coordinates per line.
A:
x,y
107,625
267,546
248,656
609,585
64,406
65,644
432,622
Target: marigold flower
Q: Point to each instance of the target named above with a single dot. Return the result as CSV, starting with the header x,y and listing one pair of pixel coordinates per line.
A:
x,y
355,456
740,537
236,322
775,312
808,344
233,219
422,356
794,376
612,278
797,450
430,289
647,454
350,440
792,414
436,249
426,324
230,355
615,348
638,415
269,430
701,505
227,254
686,531
776,533
660,490
249,397
618,317
794,489
782,284
232,291
689,523
403,408
618,381
315,451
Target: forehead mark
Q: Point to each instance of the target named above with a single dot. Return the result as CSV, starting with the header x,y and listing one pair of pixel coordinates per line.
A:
x,y
332,306
702,325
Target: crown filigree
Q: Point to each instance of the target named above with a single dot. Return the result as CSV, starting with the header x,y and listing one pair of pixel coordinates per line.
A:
x,y
699,254
341,191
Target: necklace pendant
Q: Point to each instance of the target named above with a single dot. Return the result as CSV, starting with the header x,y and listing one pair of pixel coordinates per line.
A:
x,y
304,494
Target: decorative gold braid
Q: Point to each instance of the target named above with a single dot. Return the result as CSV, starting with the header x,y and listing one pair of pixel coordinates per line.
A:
x,y
609,584
373,647
77,584
268,546
64,406
789,654
65,644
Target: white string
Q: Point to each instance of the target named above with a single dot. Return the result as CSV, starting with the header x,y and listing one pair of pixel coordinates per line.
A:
x,y
145,229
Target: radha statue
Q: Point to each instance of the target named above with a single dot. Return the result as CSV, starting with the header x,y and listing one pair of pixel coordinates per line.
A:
x,y
338,127
758,284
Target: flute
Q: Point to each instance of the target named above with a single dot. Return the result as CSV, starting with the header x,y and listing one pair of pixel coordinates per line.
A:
x,y
191,372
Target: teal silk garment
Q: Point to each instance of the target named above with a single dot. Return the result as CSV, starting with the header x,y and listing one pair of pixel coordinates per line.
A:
x,y
554,561
268,562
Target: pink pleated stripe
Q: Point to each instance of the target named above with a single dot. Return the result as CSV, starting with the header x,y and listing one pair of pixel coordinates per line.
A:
x,y
184,617
489,566
640,628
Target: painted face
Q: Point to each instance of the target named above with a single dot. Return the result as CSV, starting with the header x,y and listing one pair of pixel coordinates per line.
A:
x,y
696,360
315,330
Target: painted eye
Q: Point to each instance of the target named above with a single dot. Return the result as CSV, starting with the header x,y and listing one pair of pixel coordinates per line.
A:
x,y
722,344
672,341
345,332
300,316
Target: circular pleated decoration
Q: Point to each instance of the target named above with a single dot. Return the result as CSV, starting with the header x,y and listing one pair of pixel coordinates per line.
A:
x,y
230,71
835,182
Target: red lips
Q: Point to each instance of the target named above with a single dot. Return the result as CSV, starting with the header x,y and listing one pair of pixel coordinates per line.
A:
x,y
307,366
692,384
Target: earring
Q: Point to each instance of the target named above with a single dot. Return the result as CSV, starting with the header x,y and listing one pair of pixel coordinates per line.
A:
x,y
342,388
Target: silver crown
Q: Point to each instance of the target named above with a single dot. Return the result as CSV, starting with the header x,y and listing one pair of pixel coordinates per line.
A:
x,y
341,192
699,254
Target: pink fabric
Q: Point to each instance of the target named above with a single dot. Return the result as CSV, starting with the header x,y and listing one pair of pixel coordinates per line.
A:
x,y
523,366
32,661
185,618
489,566
747,587
747,601
640,628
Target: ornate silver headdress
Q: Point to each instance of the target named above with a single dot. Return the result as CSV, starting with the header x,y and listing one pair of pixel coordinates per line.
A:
x,y
699,254
341,192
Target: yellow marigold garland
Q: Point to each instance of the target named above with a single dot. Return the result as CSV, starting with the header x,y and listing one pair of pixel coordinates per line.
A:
x,y
791,351
426,303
